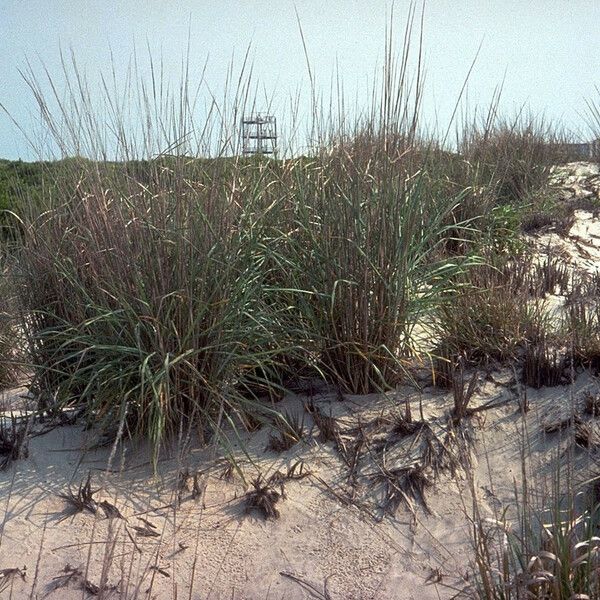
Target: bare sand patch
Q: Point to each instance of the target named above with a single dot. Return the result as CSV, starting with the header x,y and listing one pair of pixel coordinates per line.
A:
x,y
169,543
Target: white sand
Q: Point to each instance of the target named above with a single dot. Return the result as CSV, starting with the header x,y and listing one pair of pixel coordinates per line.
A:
x,y
239,555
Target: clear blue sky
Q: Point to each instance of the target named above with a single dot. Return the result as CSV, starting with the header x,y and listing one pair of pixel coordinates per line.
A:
x,y
549,49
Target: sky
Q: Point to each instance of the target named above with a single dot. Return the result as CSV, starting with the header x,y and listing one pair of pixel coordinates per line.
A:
x,y
546,52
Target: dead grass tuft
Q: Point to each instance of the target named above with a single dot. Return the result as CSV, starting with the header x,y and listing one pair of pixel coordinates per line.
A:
x,y
404,485
552,276
110,510
7,576
147,529
75,575
81,501
267,492
403,426
264,496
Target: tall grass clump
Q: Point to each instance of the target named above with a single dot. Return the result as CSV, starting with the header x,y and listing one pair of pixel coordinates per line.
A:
x,y
512,157
142,274
367,256
502,167
550,551
497,307
148,306
367,251
582,324
494,310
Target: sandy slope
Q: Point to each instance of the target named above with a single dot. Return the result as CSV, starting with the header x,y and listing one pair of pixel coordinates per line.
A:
x,y
231,554
579,183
